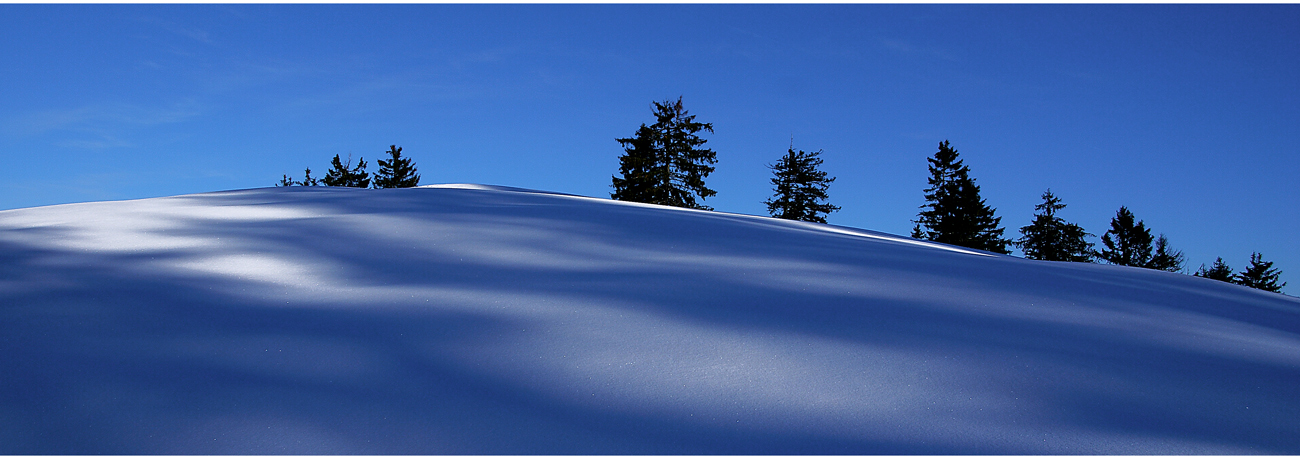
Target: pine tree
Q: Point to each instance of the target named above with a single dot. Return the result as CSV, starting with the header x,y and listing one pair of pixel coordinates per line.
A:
x,y
1165,258
308,180
1050,238
663,164
1261,275
639,166
342,174
397,172
800,188
1220,271
1127,244
955,213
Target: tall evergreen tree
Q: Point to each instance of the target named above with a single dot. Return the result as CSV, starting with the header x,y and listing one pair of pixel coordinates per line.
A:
x,y
1165,258
663,163
1127,243
955,213
800,188
639,166
286,181
1261,275
1050,238
342,174
397,172
1220,271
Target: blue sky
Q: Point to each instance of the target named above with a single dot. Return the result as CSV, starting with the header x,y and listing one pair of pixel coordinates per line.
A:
x,y
1187,114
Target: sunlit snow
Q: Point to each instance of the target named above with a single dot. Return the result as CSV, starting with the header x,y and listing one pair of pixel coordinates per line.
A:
x,y
472,319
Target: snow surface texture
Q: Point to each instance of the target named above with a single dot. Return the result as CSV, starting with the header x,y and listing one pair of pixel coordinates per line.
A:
x,y
471,319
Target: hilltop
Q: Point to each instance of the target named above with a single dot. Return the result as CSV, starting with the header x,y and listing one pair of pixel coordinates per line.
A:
x,y
469,319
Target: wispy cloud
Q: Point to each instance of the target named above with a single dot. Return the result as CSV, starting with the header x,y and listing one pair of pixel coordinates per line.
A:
x,y
910,49
193,33
95,126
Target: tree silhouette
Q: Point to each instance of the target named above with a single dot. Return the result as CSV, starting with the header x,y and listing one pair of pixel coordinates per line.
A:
x,y
663,163
800,188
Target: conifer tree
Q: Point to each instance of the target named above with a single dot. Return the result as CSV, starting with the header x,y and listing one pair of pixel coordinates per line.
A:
x,y
1165,258
1050,238
397,172
800,188
1261,275
1127,243
308,180
955,213
343,174
639,168
663,163
1220,271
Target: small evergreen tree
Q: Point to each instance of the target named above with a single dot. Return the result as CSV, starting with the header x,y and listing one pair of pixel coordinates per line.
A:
x,y
663,164
397,172
1220,271
308,180
1127,243
1050,238
1165,258
1261,275
342,174
800,188
955,213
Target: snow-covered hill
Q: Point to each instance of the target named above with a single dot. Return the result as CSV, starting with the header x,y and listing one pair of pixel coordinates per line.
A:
x,y
472,319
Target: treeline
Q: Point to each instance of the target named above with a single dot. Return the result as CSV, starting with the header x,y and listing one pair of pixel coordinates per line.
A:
x,y
665,163
396,172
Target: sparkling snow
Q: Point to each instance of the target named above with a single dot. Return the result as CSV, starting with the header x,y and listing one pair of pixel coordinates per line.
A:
x,y
472,319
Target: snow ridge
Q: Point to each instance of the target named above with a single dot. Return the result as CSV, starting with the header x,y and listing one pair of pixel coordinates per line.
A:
x,y
476,319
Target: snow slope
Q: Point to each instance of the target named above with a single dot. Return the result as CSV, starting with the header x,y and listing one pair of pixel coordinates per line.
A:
x,y
472,319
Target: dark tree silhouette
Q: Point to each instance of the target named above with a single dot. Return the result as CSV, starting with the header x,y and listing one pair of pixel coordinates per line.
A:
x,y
954,212
800,188
1219,271
1261,275
1129,244
1126,243
343,174
663,163
397,172
1165,258
1051,238
306,181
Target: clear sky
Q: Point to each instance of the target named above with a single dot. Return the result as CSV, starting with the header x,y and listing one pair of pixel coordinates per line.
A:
x,y
1187,114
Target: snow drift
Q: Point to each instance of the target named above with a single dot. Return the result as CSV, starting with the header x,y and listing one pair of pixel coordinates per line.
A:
x,y
464,319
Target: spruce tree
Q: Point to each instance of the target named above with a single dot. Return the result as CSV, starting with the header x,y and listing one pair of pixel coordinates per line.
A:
x,y
342,174
955,213
1261,275
1050,238
1220,271
1165,258
397,172
800,188
1127,243
663,164
308,180
638,165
